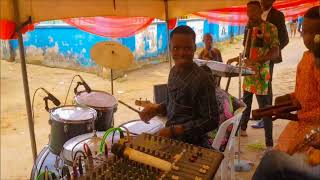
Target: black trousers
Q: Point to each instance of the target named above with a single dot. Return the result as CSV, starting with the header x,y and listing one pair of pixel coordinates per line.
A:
x,y
263,101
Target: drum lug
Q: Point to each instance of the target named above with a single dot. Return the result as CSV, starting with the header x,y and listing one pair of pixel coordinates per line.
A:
x,y
65,128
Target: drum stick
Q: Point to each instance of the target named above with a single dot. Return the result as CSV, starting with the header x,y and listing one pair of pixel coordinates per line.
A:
x,y
130,107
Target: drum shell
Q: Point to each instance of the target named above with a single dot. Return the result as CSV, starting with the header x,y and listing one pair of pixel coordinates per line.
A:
x,y
59,135
62,131
104,119
46,158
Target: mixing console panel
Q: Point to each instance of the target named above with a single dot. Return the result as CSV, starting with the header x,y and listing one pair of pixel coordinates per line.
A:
x,y
153,157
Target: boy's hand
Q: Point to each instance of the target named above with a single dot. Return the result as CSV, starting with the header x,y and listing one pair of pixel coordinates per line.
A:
x,y
168,132
149,111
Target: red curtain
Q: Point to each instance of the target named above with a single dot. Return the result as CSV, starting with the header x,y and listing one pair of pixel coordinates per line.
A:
x,y
237,15
172,23
111,26
8,29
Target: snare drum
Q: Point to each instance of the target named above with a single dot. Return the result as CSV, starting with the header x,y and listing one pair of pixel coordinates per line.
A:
x,y
68,122
104,103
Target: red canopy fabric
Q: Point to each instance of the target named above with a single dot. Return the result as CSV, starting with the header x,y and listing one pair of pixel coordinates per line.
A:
x,y
172,23
8,29
237,15
114,27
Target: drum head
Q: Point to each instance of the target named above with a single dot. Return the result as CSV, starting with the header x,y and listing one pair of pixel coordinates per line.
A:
x,y
96,99
73,114
75,144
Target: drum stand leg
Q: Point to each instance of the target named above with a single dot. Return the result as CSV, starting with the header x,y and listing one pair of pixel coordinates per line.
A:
x,y
111,80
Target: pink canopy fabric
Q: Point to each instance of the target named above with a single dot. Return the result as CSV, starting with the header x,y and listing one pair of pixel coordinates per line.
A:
x,y
291,9
114,27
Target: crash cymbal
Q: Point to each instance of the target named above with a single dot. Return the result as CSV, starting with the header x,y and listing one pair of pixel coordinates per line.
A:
x,y
112,55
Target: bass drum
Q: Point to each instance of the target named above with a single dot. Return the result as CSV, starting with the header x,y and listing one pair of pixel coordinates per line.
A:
x,y
47,160
104,103
68,122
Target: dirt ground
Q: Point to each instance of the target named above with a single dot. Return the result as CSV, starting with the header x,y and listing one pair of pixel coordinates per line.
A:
x,y
16,154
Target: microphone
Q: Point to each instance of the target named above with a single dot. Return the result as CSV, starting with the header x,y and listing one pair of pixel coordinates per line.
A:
x,y
52,98
86,87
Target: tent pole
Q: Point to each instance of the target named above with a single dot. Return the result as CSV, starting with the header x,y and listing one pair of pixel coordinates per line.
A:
x,y
168,33
26,84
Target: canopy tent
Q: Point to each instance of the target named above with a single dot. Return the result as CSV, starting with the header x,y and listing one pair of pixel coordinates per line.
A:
x,y
21,12
237,15
126,26
44,10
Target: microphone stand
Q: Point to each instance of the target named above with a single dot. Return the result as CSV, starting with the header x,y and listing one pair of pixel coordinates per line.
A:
x,y
242,165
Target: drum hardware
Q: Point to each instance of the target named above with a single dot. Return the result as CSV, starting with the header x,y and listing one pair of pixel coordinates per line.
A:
x,y
82,83
50,97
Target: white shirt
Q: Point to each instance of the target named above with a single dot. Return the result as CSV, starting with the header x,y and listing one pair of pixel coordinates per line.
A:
x,y
264,15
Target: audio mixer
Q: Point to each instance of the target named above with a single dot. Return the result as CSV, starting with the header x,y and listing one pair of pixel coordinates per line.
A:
x,y
152,157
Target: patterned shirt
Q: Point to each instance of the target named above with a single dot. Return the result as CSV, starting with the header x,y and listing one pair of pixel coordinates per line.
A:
x,y
191,102
307,93
263,38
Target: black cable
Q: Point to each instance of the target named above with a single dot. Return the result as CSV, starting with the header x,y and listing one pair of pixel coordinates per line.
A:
x,y
78,152
69,89
33,97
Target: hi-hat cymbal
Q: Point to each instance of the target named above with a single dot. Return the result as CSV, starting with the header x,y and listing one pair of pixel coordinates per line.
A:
x,y
112,55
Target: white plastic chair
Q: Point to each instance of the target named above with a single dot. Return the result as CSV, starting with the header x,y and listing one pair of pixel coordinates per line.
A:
x,y
229,150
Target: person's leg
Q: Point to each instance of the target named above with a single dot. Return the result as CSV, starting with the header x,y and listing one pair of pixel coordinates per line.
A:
x,y
264,101
260,123
277,165
247,99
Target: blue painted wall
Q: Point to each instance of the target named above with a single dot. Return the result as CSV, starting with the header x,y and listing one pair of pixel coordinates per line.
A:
x,y
71,43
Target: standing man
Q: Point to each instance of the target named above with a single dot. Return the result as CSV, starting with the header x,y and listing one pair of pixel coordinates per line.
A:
x,y
191,106
263,48
275,17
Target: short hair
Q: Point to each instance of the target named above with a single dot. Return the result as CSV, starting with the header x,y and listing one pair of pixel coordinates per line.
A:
x,y
183,29
313,13
256,3
207,34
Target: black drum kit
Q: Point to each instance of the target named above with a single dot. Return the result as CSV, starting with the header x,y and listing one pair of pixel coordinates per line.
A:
x,y
85,122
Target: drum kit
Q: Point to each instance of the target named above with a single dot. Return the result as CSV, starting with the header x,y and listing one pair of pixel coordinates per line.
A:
x,y
86,121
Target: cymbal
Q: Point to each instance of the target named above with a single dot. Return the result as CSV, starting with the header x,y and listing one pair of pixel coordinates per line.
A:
x,y
112,55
